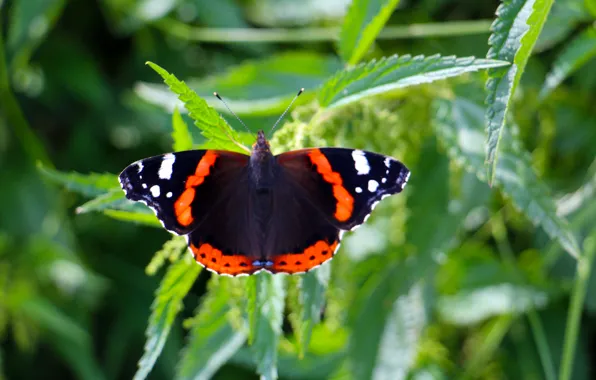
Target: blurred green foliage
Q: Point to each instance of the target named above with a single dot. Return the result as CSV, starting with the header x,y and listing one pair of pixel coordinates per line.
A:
x,y
453,278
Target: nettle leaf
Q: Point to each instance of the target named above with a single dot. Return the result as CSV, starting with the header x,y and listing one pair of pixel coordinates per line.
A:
x,y
515,32
142,218
114,199
212,339
471,306
387,74
180,133
259,87
362,24
211,124
89,185
168,302
458,125
171,251
564,17
574,55
266,294
313,287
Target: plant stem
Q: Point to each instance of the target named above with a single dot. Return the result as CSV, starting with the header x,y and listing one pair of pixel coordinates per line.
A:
x,y
584,266
255,35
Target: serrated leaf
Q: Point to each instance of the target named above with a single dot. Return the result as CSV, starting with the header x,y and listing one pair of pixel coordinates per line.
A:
x,y
180,134
211,124
387,74
312,300
110,200
471,306
255,87
168,302
212,339
266,294
575,54
362,24
458,125
145,219
515,32
89,185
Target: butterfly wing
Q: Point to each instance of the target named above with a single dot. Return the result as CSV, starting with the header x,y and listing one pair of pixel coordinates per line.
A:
x,y
344,184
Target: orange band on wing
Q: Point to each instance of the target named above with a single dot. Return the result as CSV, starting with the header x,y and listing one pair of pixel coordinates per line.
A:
x,y
311,257
182,206
214,259
345,201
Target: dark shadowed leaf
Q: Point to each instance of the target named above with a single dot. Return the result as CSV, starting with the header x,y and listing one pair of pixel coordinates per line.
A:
x,y
180,134
89,185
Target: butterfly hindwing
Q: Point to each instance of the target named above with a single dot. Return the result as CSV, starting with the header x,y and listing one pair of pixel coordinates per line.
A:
x,y
345,184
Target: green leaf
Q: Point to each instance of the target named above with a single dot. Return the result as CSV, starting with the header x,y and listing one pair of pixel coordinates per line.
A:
x,y
360,28
576,53
564,17
180,134
168,302
515,32
255,87
171,250
458,125
475,305
387,74
266,294
312,300
142,218
213,340
211,124
89,185
113,199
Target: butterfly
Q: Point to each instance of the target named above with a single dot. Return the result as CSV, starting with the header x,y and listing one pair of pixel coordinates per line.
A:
x,y
283,213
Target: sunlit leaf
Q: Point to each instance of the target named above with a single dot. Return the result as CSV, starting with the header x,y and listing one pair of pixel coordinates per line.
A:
x,y
377,77
266,295
575,54
459,127
292,13
564,17
362,24
146,219
90,185
180,134
114,199
211,124
212,339
515,32
312,300
170,251
256,87
168,302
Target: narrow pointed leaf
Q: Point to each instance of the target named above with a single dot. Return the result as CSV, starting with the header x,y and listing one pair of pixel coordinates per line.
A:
x,y
266,296
89,185
515,32
362,24
574,55
168,302
180,133
113,199
213,340
458,125
211,124
146,219
387,74
312,300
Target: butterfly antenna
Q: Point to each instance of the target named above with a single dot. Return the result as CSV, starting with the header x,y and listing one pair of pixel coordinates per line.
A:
x,y
232,112
286,111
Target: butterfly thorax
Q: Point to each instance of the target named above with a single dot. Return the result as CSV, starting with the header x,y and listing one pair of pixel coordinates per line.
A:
x,y
262,164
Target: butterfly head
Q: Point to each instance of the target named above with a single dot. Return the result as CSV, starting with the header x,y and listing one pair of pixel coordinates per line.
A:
x,y
262,145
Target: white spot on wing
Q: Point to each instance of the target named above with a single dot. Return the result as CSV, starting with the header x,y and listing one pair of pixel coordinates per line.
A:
x,y
360,162
154,191
384,180
139,166
358,190
388,162
144,186
167,165
169,194
372,185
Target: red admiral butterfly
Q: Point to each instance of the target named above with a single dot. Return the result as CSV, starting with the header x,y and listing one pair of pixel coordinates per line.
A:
x,y
284,213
